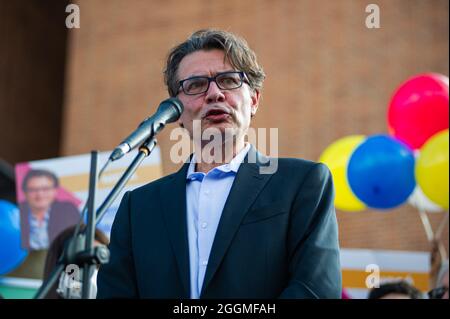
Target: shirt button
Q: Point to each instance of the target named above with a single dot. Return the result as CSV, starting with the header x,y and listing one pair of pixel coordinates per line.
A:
x,y
204,225
206,192
204,262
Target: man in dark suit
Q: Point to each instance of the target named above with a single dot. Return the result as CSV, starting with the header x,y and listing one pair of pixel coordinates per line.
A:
x,y
42,217
230,223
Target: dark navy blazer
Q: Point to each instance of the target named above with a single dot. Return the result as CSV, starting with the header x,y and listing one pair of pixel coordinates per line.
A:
x,y
277,238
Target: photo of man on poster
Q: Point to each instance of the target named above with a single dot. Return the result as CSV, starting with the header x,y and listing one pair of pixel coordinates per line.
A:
x,y
42,216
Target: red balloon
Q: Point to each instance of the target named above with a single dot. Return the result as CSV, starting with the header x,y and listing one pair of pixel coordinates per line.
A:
x,y
419,109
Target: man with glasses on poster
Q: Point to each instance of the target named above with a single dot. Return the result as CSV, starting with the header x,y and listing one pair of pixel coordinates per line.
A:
x,y
43,217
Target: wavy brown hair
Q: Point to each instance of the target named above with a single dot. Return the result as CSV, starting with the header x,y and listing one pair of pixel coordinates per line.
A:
x,y
235,48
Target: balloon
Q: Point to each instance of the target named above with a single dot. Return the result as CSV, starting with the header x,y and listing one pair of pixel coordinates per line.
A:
x,y
11,253
336,157
419,109
381,172
432,172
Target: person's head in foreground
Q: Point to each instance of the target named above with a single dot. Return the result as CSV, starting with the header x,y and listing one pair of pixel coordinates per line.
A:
x,y
440,291
395,290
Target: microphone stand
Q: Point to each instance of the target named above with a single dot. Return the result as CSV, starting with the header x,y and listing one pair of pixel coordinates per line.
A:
x,y
91,257
89,264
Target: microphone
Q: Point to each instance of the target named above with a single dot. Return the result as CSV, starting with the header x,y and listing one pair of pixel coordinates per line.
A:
x,y
168,111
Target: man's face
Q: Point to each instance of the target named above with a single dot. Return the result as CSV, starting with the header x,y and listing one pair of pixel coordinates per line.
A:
x,y
215,108
40,192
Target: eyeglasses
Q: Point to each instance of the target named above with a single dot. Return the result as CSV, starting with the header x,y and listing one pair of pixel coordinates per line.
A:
x,y
225,81
39,189
437,293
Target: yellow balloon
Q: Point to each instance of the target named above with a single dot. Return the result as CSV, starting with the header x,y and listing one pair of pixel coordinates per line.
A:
x,y
336,157
432,168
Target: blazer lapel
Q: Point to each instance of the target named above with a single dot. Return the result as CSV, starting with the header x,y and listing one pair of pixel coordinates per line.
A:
x,y
246,187
173,194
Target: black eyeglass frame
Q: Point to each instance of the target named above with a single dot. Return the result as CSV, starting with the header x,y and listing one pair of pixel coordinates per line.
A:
x,y
242,76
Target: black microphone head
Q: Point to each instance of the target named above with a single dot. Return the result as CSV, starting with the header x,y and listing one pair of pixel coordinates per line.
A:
x,y
177,103
172,107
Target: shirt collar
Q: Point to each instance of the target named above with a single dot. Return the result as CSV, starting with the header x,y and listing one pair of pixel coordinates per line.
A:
x,y
232,166
46,216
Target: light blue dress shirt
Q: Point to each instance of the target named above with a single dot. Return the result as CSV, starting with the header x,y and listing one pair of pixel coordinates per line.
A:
x,y
38,232
206,195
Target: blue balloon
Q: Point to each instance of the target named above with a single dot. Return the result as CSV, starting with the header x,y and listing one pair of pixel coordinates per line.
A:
x,y
381,172
11,252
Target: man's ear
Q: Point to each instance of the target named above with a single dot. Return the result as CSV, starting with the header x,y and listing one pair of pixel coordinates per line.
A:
x,y
255,101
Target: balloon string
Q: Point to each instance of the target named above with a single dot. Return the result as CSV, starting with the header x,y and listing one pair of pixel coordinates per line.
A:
x,y
441,227
438,234
442,251
429,231
426,224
